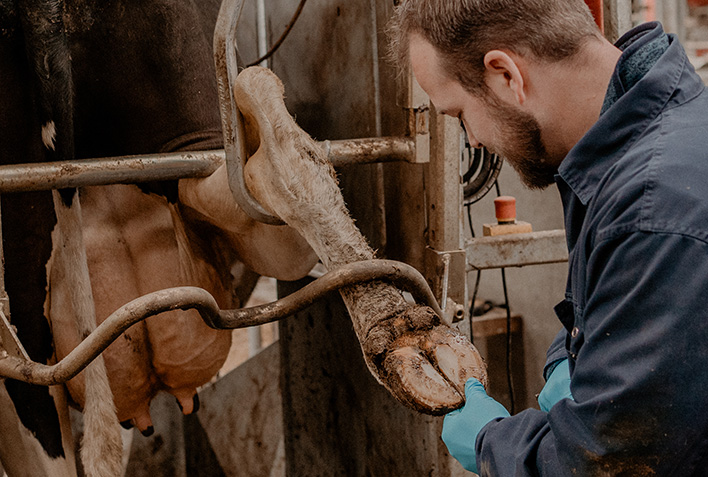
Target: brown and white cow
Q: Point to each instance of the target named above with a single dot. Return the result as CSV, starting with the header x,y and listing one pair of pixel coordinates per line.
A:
x,y
143,82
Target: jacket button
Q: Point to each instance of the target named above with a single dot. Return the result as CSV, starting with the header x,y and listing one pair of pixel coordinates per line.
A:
x,y
574,332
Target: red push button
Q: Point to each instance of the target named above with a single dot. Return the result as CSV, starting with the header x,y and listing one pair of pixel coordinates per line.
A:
x,y
505,209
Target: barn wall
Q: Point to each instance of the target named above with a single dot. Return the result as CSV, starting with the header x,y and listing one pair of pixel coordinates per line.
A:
x,y
337,419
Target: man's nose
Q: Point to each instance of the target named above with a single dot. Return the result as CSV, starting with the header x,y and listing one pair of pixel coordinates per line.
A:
x,y
473,142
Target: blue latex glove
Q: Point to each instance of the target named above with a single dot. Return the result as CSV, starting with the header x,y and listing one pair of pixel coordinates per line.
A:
x,y
557,386
460,427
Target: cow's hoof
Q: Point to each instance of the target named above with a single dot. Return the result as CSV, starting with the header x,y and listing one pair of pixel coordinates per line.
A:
x,y
427,369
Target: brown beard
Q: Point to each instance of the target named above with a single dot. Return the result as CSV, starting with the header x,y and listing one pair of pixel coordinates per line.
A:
x,y
523,147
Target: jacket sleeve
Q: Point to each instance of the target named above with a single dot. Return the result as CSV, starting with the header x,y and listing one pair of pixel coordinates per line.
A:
x,y
555,353
639,372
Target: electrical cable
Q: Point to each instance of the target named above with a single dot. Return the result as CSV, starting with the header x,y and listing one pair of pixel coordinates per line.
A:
x,y
481,170
508,342
481,174
280,41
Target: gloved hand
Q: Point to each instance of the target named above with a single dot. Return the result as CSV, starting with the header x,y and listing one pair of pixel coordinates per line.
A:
x,y
460,427
557,386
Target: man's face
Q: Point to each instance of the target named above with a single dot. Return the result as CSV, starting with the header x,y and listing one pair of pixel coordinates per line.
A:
x,y
500,127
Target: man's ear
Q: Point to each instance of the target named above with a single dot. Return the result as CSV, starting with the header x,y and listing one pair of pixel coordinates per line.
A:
x,y
504,76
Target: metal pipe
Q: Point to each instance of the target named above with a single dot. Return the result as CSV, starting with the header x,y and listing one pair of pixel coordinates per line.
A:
x,y
162,167
445,279
113,170
369,150
262,32
255,338
400,274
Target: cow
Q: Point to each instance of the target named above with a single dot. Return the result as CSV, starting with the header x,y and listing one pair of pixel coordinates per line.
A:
x,y
136,78
126,78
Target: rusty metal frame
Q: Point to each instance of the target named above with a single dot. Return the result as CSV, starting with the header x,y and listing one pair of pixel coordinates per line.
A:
x,y
617,18
430,139
444,254
160,167
21,368
114,170
9,343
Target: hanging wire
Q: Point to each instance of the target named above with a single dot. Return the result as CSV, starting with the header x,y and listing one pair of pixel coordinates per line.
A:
x,y
509,382
280,41
481,171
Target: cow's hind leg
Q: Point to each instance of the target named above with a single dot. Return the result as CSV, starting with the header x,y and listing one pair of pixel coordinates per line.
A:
x,y
421,361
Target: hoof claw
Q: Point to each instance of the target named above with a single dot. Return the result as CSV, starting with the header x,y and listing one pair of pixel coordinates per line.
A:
x,y
427,369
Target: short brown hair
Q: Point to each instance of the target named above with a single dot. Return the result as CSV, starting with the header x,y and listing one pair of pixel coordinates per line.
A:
x,y
463,31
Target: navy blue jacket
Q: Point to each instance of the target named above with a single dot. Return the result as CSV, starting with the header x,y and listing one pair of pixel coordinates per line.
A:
x,y
635,317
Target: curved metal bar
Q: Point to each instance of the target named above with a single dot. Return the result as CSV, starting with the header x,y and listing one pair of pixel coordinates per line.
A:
x,y
402,275
369,150
226,64
107,332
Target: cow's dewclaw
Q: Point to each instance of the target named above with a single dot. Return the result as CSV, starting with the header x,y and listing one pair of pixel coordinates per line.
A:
x,y
422,362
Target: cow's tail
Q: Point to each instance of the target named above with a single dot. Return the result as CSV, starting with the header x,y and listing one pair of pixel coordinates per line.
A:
x,y
49,56
101,445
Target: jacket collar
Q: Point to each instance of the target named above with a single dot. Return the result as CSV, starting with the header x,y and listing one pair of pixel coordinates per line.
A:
x,y
631,112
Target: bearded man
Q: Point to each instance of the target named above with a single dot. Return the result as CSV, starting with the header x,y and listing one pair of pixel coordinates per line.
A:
x,y
622,131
